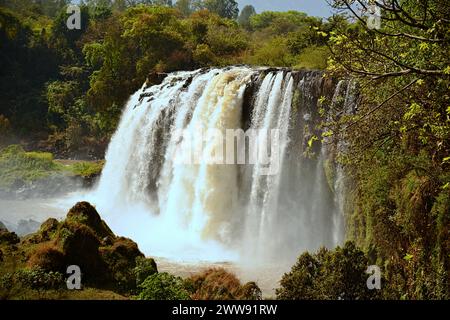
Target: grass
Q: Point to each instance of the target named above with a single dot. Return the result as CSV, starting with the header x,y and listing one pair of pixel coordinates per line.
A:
x,y
18,167
86,169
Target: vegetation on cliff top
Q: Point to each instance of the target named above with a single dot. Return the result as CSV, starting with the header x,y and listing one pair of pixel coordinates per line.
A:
x,y
66,88
21,169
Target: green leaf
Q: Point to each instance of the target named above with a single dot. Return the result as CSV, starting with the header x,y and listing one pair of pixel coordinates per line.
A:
x,y
414,110
408,257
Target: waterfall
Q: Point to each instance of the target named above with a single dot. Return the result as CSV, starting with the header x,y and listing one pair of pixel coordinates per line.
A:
x,y
215,210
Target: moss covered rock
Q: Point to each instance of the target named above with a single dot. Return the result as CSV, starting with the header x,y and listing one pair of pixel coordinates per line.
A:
x,y
48,258
80,246
7,237
48,228
85,213
85,240
120,259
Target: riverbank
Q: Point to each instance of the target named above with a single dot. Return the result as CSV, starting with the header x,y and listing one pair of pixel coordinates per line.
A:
x,y
25,175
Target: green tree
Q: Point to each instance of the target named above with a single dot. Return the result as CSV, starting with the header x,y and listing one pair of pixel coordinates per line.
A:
x,y
331,275
185,7
246,13
399,140
224,8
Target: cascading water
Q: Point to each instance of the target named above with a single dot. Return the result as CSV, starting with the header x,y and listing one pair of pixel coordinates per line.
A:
x,y
203,210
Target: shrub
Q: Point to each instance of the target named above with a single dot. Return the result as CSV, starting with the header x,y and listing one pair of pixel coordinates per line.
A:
x,y
48,229
120,259
332,275
313,58
48,258
8,237
145,267
37,278
87,169
163,286
219,284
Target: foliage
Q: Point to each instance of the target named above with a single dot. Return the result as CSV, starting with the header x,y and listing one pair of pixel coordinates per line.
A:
x,y
244,18
163,286
37,278
87,169
224,8
145,267
313,58
70,85
219,284
330,275
399,141
16,165
21,169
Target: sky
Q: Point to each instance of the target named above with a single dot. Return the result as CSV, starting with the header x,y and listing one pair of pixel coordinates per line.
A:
x,y
318,8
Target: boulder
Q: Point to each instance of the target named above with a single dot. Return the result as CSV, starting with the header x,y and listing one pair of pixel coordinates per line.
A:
x,y
84,239
80,246
85,213
120,259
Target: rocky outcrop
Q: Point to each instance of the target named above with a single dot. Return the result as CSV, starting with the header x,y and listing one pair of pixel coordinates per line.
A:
x,y
7,237
85,240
